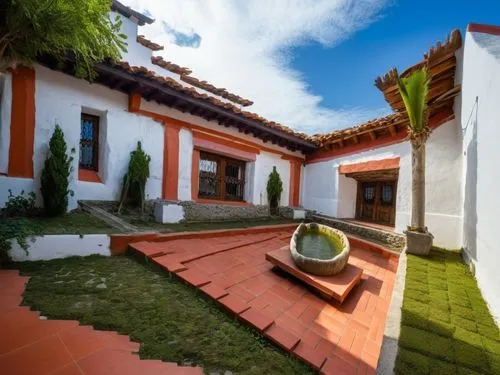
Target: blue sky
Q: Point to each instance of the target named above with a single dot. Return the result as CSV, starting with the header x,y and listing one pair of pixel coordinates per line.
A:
x,y
308,64
344,74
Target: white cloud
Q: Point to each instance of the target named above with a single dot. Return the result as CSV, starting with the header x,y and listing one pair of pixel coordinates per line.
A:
x,y
245,48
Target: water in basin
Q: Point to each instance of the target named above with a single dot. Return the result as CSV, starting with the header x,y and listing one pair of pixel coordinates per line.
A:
x,y
319,245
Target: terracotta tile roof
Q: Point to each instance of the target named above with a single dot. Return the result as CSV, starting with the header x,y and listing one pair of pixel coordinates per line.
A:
x,y
149,44
174,68
129,12
144,72
441,63
214,90
186,77
377,124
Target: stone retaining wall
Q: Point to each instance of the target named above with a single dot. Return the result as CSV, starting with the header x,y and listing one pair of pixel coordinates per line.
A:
x,y
216,212
392,240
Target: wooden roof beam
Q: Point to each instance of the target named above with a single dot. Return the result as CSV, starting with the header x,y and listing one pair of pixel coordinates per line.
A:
x,y
392,130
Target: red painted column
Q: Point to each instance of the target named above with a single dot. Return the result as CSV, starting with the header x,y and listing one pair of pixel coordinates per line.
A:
x,y
171,161
195,172
294,194
22,125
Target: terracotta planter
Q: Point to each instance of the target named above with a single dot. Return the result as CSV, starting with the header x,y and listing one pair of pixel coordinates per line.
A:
x,y
418,243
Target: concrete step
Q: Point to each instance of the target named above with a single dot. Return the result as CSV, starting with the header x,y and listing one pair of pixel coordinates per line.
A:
x,y
107,217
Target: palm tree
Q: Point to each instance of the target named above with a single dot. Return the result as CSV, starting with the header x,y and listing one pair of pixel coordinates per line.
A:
x,y
414,90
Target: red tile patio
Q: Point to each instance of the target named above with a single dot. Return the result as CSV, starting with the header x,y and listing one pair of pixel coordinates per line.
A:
x,y
231,268
29,345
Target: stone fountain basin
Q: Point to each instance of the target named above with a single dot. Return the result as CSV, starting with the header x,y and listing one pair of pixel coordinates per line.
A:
x,y
315,265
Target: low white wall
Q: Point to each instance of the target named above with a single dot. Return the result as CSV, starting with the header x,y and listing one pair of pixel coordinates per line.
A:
x,y
61,246
330,193
480,120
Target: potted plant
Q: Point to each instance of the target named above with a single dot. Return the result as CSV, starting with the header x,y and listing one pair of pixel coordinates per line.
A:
x,y
414,90
274,190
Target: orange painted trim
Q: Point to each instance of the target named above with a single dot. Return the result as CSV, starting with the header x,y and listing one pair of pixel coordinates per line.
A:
x,y
199,135
167,119
294,194
22,125
222,203
220,149
370,166
134,102
485,29
170,162
88,175
118,243
435,121
195,174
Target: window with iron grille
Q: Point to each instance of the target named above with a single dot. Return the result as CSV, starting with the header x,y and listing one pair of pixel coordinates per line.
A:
x,y
221,178
369,193
386,195
89,142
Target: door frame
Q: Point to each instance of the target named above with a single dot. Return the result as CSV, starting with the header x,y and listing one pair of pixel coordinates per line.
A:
x,y
377,204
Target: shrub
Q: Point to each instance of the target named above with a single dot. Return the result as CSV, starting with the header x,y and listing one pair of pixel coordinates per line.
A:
x,y
134,181
274,190
55,176
20,205
18,229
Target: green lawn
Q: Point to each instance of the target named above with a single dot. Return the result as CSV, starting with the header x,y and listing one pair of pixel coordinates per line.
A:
x,y
446,327
75,222
172,321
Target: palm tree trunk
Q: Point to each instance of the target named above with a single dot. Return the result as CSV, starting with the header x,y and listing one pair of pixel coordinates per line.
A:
x,y
418,186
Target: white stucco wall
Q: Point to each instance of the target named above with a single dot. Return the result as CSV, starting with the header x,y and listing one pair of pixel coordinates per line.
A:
x,y
257,172
60,99
61,246
185,164
263,167
335,195
481,120
5,113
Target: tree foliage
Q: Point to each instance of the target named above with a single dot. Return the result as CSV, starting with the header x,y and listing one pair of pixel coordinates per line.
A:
x,y
274,189
414,90
134,181
55,176
30,28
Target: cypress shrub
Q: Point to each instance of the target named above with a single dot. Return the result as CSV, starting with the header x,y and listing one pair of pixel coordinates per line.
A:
x,y
274,190
134,181
55,176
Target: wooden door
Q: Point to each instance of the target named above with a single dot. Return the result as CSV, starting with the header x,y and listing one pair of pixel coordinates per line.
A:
x,y
376,201
367,201
386,207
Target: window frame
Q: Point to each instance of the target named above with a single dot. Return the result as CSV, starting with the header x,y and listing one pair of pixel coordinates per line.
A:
x,y
96,122
221,178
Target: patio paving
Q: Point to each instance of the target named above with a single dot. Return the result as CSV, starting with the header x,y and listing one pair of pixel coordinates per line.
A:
x,y
31,345
231,268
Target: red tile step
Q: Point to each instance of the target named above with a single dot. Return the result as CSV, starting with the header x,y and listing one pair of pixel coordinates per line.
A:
x,y
168,264
214,291
234,304
309,355
194,277
282,337
256,319
148,249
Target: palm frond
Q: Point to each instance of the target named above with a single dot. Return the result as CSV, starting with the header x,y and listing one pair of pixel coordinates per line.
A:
x,y
414,90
